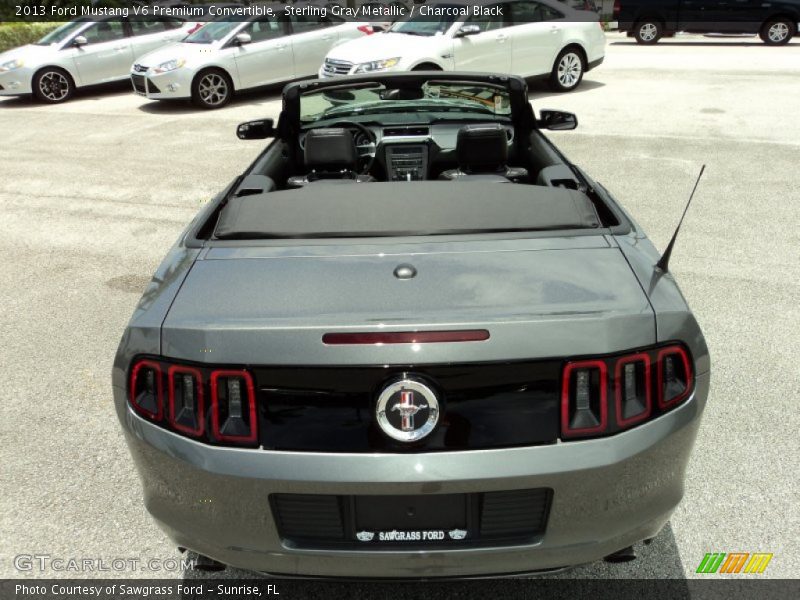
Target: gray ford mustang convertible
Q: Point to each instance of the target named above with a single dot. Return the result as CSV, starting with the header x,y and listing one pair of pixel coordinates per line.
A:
x,y
411,340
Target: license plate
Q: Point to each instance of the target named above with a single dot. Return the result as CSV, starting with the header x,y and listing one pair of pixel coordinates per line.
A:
x,y
427,535
415,519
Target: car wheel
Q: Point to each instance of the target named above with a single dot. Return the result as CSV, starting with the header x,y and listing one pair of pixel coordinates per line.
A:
x,y
568,70
777,32
648,32
53,85
212,89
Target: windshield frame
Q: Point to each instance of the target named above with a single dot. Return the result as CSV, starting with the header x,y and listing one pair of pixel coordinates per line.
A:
x,y
419,18
372,107
237,27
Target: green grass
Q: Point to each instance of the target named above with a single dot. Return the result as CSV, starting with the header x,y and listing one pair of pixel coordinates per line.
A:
x,y
19,34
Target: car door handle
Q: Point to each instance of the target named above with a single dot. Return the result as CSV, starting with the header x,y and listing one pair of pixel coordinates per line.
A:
x,y
120,48
501,38
327,38
281,47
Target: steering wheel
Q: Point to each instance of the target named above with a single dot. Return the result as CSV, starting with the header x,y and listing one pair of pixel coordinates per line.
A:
x,y
373,143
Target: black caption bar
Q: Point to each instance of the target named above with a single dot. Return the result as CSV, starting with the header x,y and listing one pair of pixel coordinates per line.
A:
x,y
480,589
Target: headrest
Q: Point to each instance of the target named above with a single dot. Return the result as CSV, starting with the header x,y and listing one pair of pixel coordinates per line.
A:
x,y
482,148
332,148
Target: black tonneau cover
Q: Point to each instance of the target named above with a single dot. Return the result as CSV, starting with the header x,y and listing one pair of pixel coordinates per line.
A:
x,y
334,210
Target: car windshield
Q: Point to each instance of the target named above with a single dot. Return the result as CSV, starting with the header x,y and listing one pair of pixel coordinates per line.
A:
x,y
428,24
212,32
431,97
60,34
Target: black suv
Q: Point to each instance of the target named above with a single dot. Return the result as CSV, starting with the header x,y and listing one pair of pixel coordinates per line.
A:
x,y
649,20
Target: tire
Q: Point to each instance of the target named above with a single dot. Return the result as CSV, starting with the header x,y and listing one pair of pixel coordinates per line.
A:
x,y
568,70
427,67
53,85
777,32
648,32
212,89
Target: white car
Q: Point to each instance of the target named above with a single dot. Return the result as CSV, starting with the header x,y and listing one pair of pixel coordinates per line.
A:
x,y
223,56
529,38
84,52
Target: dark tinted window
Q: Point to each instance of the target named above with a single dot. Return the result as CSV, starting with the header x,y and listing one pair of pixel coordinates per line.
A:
x,y
490,22
265,29
532,12
104,31
305,23
144,26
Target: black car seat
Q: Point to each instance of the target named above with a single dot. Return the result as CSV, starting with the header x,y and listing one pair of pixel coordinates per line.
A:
x,y
482,153
330,156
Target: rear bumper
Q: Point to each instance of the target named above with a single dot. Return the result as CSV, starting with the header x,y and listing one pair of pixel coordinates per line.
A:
x,y
607,494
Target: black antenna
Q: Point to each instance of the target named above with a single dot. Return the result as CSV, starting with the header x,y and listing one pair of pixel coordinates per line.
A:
x,y
663,262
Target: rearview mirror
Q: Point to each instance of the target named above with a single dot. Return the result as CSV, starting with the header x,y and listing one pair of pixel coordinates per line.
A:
x,y
243,38
256,130
79,41
557,120
466,30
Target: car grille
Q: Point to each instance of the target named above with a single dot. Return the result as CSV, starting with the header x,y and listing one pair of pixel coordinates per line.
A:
x,y
138,84
489,518
140,68
141,85
331,68
506,514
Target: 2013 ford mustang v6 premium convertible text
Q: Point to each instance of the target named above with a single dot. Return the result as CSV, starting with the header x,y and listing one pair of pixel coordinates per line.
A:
x,y
352,363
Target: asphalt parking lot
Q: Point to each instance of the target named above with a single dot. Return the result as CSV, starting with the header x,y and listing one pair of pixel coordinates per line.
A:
x,y
94,192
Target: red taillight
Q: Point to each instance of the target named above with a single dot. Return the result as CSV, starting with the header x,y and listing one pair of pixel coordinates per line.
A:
x,y
639,377
233,407
584,399
617,8
632,389
195,28
146,393
366,29
674,376
225,415
186,403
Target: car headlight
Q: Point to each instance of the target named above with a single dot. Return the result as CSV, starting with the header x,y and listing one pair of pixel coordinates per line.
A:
x,y
11,65
377,65
170,65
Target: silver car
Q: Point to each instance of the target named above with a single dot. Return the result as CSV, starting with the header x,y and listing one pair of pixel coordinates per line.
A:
x,y
84,52
226,56
352,363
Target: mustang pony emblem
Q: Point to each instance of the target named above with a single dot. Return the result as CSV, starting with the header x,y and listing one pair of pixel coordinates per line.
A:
x,y
407,410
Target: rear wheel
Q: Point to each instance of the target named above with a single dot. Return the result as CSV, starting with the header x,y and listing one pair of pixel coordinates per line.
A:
x,y
212,89
648,32
53,85
567,70
777,32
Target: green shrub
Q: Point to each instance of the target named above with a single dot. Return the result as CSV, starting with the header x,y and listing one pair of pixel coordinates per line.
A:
x,y
19,34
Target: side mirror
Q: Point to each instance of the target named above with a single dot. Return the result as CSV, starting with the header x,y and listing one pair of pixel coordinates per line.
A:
x,y
256,130
242,38
466,30
556,120
79,41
